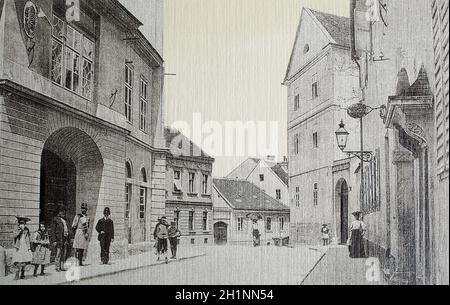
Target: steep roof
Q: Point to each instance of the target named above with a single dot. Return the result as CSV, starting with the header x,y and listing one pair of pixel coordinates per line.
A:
x,y
337,26
281,173
170,134
244,195
244,169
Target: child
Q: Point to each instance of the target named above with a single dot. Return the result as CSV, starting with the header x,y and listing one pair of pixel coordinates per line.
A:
x,y
325,235
22,243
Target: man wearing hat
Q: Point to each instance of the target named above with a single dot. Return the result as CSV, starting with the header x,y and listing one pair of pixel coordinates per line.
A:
x,y
161,235
59,237
22,243
174,235
105,229
80,226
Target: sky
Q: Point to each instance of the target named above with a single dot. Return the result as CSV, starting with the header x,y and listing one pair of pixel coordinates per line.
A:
x,y
230,58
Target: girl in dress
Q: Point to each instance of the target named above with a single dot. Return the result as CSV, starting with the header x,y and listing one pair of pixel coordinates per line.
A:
x,y
22,243
41,254
356,240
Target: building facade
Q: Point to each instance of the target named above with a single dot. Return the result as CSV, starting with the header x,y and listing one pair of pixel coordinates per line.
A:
x,y
268,175
81,117
322,81
189,189
237,203
404,66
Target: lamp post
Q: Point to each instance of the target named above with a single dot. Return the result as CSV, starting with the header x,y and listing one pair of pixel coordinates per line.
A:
x,y
358,111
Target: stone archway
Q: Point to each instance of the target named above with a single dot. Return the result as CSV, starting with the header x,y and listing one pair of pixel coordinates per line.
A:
x,y
220,233
341,199
71,173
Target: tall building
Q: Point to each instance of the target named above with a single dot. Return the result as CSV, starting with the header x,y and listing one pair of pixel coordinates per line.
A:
x,y
404,66
189,189
321,80
81,117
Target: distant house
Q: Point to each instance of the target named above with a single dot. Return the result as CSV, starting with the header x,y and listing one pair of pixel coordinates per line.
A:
x,y
270,176
188,189
236,202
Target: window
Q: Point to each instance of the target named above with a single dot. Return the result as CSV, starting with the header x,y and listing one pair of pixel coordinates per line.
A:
x,y
306,49
72,59
296,102
192,241
127,200
240,224
268,224
205,221
315,86
281,223
315,140
316,194
129,75
278,194
205,184
191,221
205,241
177,181
143,175
128,170
142,202
143,105
191,183
297,196
261,178
296,144
176,217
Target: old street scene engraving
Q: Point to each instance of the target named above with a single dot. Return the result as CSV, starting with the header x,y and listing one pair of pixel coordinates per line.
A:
x,y
224,142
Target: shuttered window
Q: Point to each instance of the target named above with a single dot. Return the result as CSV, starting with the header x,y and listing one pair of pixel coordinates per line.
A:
x,y
441,52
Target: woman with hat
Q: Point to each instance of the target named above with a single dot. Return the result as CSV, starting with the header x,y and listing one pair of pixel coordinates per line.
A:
x,y
80,225
356,241
41,245
22,243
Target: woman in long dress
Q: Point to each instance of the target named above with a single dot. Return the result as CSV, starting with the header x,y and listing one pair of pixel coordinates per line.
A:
x,y
22,243
356,240
41,254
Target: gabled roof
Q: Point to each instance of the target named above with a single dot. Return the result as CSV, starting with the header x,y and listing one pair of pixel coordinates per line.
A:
x,y
281,173
244,195
244,170
182,143
337,26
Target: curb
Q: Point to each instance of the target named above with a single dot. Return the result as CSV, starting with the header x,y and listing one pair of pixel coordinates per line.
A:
x,y
90,277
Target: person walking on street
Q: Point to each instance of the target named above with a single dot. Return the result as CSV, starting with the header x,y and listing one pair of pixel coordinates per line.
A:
x,y
59,237
356,241
105,229
161,235
174,235
325,235
22,244
41,246
80,226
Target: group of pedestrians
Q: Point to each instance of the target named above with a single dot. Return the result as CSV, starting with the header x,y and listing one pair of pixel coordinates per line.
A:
x,y
36,249
164,234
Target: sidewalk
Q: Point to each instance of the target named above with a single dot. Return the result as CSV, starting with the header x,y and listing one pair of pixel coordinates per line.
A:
x,y
97,270
335,267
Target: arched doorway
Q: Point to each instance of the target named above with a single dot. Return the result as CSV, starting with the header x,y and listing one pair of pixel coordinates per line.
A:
x,y
220,233
342,207
71,173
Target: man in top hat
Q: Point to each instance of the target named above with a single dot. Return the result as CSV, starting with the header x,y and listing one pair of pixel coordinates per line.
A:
x,y
80,226
105,229
161,235
59,237
22,243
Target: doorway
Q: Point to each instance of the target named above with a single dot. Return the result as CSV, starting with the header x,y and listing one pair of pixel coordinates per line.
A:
x,y
220,233
342,202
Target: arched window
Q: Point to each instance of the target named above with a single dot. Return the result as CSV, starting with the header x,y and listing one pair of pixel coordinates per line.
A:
x,y
128,171
143,175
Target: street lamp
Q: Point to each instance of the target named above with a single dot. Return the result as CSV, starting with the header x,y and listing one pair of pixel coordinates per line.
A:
x,y
342,136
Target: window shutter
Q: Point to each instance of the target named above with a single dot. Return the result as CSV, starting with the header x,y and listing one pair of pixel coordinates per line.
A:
x,y
441,51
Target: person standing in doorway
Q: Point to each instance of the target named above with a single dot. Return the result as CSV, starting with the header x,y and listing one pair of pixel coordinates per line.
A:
x,y
22,244
105,229
174,235
325,235
59,238
80,226
161,234
356,241
41,254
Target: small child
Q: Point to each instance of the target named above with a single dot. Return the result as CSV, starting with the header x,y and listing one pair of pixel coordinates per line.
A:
x,y
325,235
